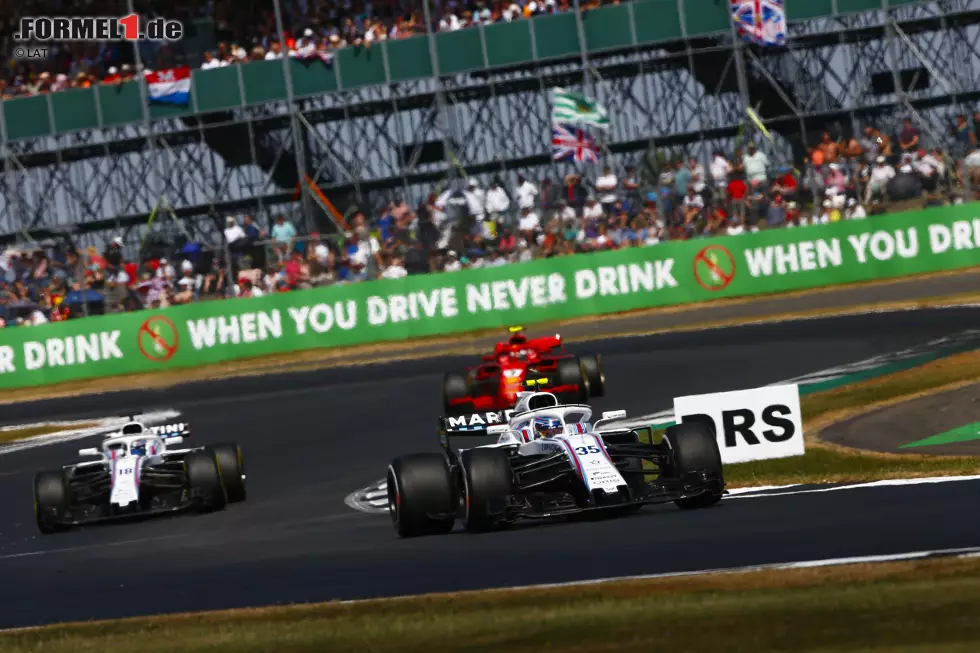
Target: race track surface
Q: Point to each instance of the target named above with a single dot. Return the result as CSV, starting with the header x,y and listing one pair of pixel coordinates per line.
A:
x,y
312,438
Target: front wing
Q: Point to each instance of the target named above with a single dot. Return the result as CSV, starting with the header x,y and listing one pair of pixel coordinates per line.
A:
x,y
658,492
538,478
101,511
101,518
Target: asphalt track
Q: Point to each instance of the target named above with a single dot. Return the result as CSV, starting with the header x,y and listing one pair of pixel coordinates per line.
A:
x,y
312,438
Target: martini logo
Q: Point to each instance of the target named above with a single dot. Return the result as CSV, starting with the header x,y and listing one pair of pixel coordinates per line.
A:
x,y
158,339
478,421
714,268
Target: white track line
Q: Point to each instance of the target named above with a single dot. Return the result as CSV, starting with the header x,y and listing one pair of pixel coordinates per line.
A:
x,y
745,493
72,549
967,552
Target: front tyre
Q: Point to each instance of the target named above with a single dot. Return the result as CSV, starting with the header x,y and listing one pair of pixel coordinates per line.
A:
x,y
488,484
204,480
421,496
231,464
50,501
694,453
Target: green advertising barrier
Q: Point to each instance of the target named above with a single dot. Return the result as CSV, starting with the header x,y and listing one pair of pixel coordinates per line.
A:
x,y
660,275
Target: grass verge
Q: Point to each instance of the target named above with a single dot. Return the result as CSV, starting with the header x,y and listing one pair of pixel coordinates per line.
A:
x,y
829,463
842,609
14,434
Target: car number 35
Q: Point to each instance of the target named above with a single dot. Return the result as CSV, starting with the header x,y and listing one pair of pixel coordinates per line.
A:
x,y
587,451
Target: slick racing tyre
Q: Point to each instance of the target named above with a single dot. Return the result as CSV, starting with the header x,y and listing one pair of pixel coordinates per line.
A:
x,y
694,450
455,386
50,501
421,496
204,480
592,367
488,484
570,372
231,463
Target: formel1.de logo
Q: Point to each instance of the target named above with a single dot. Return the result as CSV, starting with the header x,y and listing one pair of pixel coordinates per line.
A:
x,y
158,339
714,268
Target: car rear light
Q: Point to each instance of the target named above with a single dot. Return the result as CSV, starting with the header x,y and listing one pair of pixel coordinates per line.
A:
x,y
513,374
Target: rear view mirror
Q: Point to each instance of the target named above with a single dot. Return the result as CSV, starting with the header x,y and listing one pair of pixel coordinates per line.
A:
x,y
614,414
176,440
92,451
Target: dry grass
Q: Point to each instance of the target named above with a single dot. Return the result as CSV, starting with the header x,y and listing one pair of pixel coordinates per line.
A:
x,y
841,609
14,434
460,344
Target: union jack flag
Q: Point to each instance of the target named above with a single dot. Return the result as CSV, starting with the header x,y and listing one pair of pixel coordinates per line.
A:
x,y
570,143
762,22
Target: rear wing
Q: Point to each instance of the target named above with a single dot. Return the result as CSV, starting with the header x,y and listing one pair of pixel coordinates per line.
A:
x,y
471,424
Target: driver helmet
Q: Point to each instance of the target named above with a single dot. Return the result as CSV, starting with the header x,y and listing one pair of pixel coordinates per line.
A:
x,y
138,448
547,427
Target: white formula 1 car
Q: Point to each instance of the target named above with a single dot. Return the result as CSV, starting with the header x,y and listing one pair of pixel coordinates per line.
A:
x,y
139,472
549,461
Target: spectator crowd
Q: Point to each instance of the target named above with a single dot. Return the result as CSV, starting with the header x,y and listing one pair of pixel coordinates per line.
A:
x,y
485,226
246,31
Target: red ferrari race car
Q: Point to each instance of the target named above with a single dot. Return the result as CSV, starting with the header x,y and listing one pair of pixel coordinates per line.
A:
x,y
517,365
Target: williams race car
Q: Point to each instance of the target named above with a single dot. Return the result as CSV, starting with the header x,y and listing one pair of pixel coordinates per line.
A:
x,y
549,461
494,384
139,472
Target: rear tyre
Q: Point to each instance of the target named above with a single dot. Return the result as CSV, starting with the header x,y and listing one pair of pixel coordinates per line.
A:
x,y
421,496
694,451
488,484
592,367
570,372
455,386
231,464
204,480
50,501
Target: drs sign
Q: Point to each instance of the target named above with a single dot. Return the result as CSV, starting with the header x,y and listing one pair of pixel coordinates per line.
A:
x,y
750,424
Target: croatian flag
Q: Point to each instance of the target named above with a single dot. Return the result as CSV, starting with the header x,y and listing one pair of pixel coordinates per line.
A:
x,y
762,22
312,54
171,86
